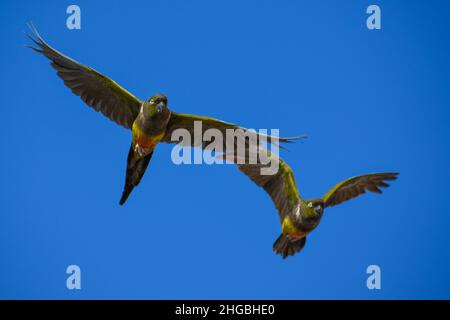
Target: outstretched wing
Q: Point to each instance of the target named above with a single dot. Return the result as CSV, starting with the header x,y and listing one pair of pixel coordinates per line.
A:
x,y
281,186
356,186
187,122
95,89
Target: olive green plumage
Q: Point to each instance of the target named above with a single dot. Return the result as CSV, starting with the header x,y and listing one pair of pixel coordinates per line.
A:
x,y
151,122
302,217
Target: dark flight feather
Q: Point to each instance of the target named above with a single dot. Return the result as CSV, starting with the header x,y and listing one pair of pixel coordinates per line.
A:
x,y
135,171
356,186
96,90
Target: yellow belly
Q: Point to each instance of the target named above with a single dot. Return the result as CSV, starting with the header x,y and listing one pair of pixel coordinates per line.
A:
x,y
288,228
143,141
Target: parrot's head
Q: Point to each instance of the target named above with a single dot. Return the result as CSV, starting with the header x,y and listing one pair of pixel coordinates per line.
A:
x,y
155,109
155,106
314,208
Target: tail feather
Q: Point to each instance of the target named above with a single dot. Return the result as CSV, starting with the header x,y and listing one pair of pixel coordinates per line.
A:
x,y
288,247
135,171
126,193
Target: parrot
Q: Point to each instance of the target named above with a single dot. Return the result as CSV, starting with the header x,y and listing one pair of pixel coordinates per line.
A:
x,y
152,122
299,217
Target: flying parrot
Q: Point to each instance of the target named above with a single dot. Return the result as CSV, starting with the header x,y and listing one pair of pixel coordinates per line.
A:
x,y
299,217
151,122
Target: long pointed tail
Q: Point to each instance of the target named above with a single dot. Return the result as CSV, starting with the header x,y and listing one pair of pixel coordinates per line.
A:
x,y
135,171
126,193
287,247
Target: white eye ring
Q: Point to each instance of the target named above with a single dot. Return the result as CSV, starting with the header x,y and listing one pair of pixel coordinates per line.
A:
x,y
310,205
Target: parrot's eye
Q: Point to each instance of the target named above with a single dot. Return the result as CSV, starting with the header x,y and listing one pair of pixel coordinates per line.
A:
x,y
158,109
310,204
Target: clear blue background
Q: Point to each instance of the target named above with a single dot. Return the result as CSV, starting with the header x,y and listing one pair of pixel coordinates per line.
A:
x,y
369,101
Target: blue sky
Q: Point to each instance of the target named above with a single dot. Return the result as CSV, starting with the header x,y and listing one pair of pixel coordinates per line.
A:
x,y
368,100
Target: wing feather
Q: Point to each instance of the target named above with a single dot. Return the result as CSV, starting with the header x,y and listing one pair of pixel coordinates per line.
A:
x,y
280,186
186,121
356,186
96,90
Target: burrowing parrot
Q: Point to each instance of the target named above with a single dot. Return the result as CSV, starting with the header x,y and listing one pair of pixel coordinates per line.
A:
x,y
299,217
150,121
